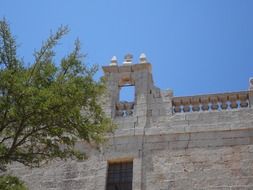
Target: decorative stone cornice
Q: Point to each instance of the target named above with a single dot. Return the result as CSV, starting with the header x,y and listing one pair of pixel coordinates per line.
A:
x,y
127,68
210,102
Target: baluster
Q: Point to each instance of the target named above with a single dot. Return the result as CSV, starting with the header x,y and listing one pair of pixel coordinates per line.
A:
x,y
186,104
195,104
243,100
204,101
233,101
214,102
223,99
129,108
177,106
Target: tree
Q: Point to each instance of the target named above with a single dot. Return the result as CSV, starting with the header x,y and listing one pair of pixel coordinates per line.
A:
x,y
45,108
11,183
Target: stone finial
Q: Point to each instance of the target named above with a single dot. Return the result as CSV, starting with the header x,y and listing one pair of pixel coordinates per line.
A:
x,y
128,59
143,58
251,83
114,61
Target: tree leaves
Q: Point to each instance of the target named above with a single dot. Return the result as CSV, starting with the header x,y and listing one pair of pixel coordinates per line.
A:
x,y
45,108
8,182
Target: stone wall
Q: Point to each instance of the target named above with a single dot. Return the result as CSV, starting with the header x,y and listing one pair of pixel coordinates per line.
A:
x,y
210,150
65,175
214,168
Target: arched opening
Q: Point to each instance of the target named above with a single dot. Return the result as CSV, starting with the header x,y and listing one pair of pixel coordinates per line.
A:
x,y
127,93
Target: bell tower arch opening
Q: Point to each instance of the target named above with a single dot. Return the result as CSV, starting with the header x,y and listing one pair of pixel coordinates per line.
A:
x,y
129,88
127,93
126,88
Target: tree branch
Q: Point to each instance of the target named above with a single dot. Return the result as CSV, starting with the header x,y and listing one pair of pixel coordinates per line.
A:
x,y
47,47
4,139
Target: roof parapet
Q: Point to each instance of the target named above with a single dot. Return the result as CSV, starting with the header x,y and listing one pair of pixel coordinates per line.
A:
x,y
211,102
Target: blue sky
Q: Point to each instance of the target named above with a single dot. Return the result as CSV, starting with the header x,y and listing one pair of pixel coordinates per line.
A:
x,y
195,46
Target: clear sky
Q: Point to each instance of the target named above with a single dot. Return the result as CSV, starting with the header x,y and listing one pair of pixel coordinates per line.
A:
x,y
194,46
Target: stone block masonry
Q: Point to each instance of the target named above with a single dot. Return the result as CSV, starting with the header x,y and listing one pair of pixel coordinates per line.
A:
x,y
202,142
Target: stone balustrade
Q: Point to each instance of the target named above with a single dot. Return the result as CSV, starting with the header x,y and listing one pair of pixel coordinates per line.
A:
x,y
124,109
211,102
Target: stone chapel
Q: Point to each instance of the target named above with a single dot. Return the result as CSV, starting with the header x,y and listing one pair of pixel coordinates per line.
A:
x,y
162,142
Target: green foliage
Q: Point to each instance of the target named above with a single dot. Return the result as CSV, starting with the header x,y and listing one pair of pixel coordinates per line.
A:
x,y
45,108
8,182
